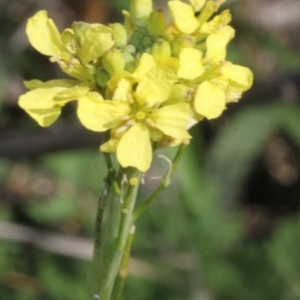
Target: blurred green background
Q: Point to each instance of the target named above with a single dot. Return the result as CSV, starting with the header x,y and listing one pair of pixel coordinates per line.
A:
x,y
228,227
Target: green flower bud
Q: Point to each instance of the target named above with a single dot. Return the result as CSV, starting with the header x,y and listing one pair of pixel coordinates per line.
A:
x,y
119,34
182,41
113,61
139,11
79,28
102,77
147,42
156,23
129,49
170,32
128,57
132,65
161,47
138,39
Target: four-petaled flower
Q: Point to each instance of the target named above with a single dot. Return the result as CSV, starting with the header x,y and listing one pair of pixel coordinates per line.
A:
x,y
146,82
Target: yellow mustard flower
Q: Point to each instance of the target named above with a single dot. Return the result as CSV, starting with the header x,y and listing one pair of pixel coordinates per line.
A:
x,y
75,49
228,81
44,102
146,82
183,16
137,117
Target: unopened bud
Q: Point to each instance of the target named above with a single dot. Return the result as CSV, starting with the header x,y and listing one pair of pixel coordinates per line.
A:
x,y
119,34
170,32
156,23
113,61
161,47
139,11
182,41
102,77
79,28
139,39
132,65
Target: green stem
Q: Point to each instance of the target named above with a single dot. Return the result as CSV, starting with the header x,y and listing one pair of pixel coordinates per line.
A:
x,y
111,173
116,232
97,233
164,182
123,273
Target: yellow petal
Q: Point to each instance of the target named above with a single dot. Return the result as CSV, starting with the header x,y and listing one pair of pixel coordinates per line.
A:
x,y
122,91
172,120
71,93
190,64
147,62
239,77
168,61
100,115
155,86
216,44
43,34
114,81
197,4
40,106
110,146
180,93
183,16
95,41
35,84
134,148
210,100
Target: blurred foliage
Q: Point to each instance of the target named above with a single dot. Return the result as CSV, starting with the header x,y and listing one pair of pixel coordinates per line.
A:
x,y
228,226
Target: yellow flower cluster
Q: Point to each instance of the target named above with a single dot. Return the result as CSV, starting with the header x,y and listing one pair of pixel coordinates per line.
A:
x,y
147,81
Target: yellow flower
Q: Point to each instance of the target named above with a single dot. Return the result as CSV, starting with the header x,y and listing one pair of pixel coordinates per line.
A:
x,y
212,95
217,42
190,63
45,101
146,82
71,50
210,100
135,117
183,16
43,35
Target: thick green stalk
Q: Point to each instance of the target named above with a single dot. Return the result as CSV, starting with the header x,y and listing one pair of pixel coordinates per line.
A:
x,y
123,273
116,224
98,234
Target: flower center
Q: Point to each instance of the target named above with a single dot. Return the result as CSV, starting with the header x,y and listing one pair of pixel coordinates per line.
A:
x,y
140,115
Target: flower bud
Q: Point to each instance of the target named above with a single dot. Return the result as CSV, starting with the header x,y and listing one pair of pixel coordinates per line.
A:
x,y
161,47
156,23
138,39
170,32
139,11
132,65
119,34
79,28
102,77
182,41
113,61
